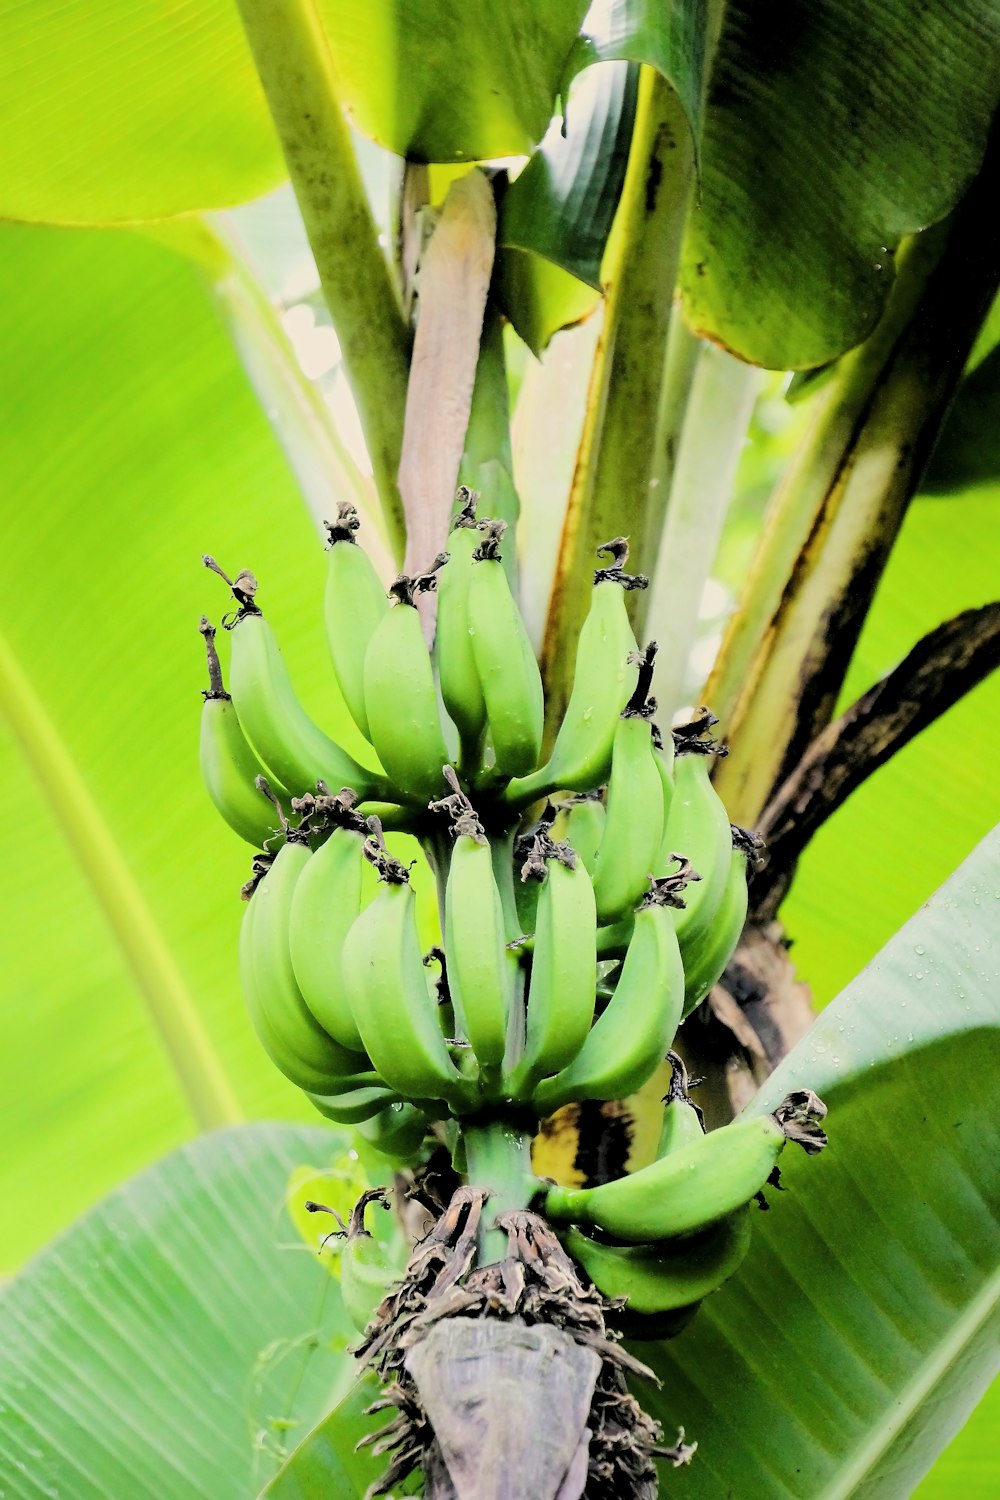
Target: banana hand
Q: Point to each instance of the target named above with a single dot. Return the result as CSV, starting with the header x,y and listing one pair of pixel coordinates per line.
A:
x,y
692,1187
288,1031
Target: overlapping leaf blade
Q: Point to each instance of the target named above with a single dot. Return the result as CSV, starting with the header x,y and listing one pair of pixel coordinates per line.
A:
x,y
671,38
441,82
555,219
864,1323
830,132
178,1338
968,450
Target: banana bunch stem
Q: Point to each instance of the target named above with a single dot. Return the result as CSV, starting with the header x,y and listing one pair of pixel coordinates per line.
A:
x,y
498,1159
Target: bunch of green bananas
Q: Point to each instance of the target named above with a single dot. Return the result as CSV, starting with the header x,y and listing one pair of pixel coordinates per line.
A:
x,y
570,950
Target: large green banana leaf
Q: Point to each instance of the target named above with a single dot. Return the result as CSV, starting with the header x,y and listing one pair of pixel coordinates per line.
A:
x,y
178,1339
126,109
934,799
864,1323
118,111
131,443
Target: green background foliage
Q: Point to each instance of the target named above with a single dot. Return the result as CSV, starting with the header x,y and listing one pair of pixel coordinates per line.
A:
x,y
110,114
136,444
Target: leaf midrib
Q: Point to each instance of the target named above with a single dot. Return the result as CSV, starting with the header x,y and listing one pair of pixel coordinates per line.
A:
x,y
915,1392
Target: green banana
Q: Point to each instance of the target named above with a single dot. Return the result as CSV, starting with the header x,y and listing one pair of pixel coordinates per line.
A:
x,y
687,1190
460,686
367,1274
367,1269
487,462
697,827
502,853
664,1277
505,661
634,827
630,1038
229,767
666,890
563,984
293,748
352,1106
388,992
665,751
603,682
481,968
294,1040
401,698
585,823
328,897
707,954
397,1131
526,891
498,496
354,604
393,816
613,941
683,1122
